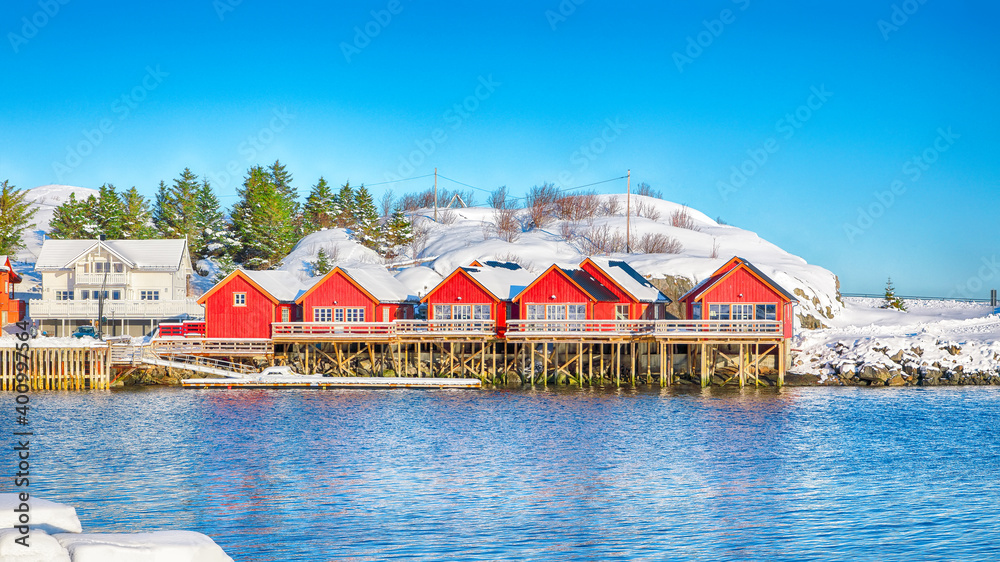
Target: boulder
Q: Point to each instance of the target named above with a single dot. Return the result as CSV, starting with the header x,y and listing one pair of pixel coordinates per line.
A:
x,y
46,515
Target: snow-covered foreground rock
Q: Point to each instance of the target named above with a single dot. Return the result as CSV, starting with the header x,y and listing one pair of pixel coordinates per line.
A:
x,y
55,536
936,342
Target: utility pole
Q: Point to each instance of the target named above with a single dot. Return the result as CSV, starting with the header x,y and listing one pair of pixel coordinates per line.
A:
x,y
628,214
435,194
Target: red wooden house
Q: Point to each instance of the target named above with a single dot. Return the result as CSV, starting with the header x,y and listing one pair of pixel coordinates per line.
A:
x,y
357,294
637,298
740,291
246,303
562,294
11,309
477,293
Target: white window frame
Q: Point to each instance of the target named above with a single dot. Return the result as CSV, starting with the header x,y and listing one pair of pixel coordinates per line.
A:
x,y
719,312
116,295
286,314
338,315
765,311
741,311
461,312
621,311
576,312
239,299
64,295
535,312
555,312
322,314
354,314
442,312
481,311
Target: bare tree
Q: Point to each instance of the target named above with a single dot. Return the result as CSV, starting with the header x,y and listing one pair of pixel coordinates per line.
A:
x,y
681,218
540,203
505,222
577,207
659,243
611,207
386,202
602,240
647,209
644,189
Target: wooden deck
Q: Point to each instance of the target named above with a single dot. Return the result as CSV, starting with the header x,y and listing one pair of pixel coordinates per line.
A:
x,y
322,383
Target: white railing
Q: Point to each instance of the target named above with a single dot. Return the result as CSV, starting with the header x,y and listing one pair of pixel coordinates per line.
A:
x,y
345,330
445,326
709,327
101,278
116,309
212,346
625,327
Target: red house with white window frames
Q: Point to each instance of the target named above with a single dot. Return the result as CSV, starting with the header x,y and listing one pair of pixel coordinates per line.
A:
x,y
357,294
246,303
478,293
11,309
637,298
564,294
740,291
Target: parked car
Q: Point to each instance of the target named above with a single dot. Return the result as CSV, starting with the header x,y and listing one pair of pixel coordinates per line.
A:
x,y
85,331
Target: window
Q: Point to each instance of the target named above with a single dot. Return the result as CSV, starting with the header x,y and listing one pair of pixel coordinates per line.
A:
x,y
116,295
354,314
767,312
285,314
718,312
99,267
621,312
239,299
64,295
385,314
119,268
742,312
696,311
481,312
577,311
84,294
322,314
536,312
155,296
461,312
442,312
555,312
338,315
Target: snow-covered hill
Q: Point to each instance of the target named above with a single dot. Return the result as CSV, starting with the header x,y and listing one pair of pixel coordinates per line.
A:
x,y
463,235
45,199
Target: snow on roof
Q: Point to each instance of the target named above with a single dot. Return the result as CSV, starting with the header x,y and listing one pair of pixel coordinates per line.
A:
x,y
380,283
709,282
282,285
504,283
156,255
3,263
630,280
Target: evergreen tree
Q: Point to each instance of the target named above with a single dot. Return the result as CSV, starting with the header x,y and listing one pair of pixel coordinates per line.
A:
x,y
322,265
263,221
368,230
15,218
226,266
91,222
135,223
891,300
163,209
399,233
214,237
345,205
282,179
320,209
176,209
69,220
109,213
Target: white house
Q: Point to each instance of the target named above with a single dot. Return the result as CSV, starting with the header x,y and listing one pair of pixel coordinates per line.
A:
x,y
143,282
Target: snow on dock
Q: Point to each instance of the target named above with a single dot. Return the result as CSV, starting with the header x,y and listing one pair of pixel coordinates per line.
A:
x,y
320,382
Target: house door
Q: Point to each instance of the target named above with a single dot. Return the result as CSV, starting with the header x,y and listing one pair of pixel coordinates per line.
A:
x,y
385,314
284,315
3,318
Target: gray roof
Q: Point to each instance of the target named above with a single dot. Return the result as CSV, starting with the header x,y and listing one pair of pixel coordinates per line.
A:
x,y
380,283
150,255
592,286
630,280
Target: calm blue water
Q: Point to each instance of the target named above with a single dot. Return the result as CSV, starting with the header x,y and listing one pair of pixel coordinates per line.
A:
x,y
817,473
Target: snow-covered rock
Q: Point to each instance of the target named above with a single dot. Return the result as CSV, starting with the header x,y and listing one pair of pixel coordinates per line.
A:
x,y
340,248
160,546
45,199
41,547
45,515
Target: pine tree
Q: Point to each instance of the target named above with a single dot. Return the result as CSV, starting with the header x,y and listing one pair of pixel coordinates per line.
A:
x,y
399,233
214,237
368,230
135,223
69,219
891,300
226,266
320,208
175,211
91,221
109,213
322,265
263,221
345,205
164,210
282,179
15,218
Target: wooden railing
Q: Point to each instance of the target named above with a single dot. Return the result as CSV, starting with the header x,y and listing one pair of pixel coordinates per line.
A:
x,y
728,327
346,330
116,309
206,346
414,327
625,327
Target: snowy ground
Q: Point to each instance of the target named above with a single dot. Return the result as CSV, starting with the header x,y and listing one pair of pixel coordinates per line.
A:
x,y
934,335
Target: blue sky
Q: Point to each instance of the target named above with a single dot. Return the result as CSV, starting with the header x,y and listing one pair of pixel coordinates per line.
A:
x,y
859,135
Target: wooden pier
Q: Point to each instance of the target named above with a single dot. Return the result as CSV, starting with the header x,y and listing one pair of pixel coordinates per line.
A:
x,y
59,368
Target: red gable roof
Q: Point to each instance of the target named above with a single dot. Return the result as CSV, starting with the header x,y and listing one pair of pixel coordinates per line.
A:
x,y
727,270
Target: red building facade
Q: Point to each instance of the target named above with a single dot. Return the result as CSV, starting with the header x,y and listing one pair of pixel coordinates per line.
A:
x,y
637,298
738,291
246,303
356,295
11,309
560,294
